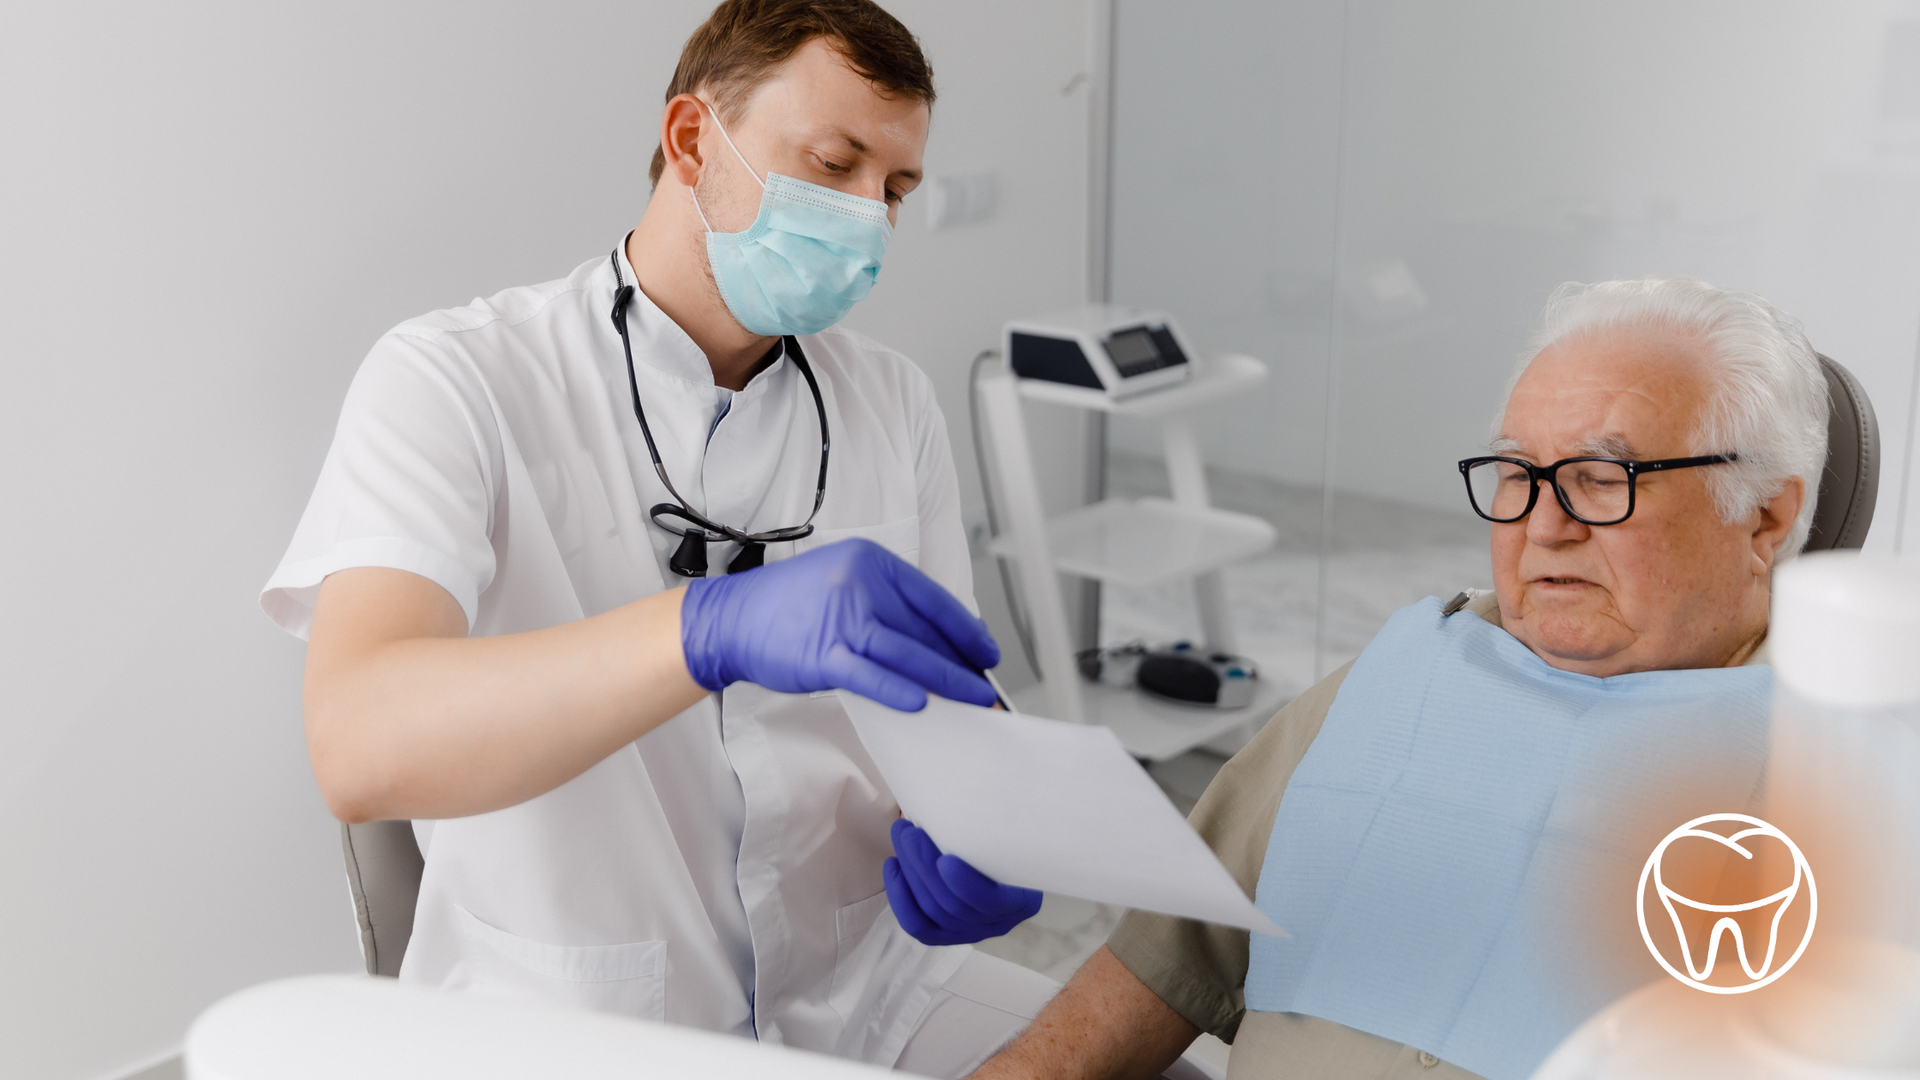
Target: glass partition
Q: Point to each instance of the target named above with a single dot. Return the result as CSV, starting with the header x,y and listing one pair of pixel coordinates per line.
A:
x,y
1376,198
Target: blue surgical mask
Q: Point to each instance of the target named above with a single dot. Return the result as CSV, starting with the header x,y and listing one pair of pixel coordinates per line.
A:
x,y
810,255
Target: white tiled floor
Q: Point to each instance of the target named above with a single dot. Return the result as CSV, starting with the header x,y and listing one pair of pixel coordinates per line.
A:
x,y
1381,557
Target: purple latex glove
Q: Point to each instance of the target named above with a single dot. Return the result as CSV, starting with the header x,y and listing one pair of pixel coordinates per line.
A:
x,y
941,900
847,616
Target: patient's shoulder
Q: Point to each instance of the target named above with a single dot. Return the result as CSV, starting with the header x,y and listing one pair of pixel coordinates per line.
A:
x,y
1262,769
1284,741
1199,968
1245,795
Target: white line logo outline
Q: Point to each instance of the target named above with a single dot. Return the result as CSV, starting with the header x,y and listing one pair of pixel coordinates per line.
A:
x,y
1758,976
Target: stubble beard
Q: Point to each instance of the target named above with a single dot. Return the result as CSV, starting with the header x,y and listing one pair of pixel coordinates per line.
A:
x,y
697,239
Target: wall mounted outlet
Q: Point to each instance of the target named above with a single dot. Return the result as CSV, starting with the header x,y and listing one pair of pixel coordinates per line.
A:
x,y
958,200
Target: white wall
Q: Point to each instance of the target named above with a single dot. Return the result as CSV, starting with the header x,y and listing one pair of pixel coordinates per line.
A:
x,y
1499,146
1494,149
944,295
1226,144
208,212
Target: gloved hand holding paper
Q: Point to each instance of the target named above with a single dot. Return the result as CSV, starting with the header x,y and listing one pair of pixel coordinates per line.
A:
x,y
1048,805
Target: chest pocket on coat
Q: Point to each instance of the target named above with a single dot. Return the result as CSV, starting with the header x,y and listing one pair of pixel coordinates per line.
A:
x,y
902,537
628,979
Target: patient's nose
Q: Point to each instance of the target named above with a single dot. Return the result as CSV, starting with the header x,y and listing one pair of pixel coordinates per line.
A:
x,y
1549,524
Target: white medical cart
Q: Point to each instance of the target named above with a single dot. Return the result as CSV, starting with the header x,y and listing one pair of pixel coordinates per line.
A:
x,y
1131,542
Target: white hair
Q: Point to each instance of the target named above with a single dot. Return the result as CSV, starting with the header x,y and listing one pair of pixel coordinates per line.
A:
x,y
1768,400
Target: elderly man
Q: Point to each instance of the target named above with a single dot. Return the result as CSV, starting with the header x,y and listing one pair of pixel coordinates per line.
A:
x,y
1451,827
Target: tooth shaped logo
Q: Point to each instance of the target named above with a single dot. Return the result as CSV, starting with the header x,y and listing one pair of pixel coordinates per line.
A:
x,y
1722,859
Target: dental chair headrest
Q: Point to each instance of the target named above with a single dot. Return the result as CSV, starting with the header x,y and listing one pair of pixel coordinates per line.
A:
x,y
1851,481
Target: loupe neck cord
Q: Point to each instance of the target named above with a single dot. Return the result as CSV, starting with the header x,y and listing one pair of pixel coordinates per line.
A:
x,y
623,295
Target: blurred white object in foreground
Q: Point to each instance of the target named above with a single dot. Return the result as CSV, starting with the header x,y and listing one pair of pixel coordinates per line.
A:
x,y
1844,782
334,1027
1845,630
1670,1031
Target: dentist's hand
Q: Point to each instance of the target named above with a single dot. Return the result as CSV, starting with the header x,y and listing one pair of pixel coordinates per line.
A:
x,y
847,616
941,900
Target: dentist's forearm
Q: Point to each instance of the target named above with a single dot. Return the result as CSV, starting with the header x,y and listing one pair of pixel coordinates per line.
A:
x,y
407,717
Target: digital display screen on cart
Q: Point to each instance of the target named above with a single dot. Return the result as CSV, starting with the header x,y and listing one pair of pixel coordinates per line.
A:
x,y
1141,349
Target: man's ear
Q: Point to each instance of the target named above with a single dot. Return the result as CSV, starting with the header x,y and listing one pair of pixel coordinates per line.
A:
x,y
680,127
1776,520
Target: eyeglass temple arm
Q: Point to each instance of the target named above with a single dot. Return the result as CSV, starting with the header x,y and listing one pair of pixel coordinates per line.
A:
x,y
1684,463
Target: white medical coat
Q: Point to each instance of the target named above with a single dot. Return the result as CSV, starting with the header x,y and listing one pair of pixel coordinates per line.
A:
x,y
722,871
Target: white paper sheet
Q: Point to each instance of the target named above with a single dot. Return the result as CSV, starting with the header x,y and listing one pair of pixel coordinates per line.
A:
x,y
1048,805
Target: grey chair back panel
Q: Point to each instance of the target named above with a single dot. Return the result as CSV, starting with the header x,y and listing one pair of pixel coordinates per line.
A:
x,y
383,871
1851,482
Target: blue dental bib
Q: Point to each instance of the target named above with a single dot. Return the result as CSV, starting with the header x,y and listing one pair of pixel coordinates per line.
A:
x,y
1457,855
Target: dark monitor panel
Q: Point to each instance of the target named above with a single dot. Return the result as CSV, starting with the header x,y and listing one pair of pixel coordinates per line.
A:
x,y
1141,349
1052,359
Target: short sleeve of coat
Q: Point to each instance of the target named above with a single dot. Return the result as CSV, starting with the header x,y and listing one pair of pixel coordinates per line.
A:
x,y
408,483
1200,969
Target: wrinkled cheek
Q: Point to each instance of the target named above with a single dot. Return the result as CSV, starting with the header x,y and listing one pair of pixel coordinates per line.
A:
x,y
1505,545
1672,584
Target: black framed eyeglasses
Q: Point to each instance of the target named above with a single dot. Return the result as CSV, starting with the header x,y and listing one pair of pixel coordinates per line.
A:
x,y
1592,490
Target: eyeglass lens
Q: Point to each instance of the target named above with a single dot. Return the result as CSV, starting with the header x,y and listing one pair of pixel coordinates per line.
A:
x,y
1596,491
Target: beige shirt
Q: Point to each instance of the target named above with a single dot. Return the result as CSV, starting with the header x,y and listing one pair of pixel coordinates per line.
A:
x,y
1200,969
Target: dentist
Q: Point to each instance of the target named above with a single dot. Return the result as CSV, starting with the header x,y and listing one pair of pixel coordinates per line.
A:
x,y
585,556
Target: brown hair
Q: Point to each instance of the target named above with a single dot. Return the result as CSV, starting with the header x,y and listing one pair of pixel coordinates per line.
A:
x,y
743,41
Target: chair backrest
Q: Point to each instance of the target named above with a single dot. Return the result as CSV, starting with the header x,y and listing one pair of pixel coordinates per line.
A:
x,y
1851,481
383,872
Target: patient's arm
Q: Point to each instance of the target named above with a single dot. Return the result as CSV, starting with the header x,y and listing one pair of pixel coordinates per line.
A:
x,y
1104,1025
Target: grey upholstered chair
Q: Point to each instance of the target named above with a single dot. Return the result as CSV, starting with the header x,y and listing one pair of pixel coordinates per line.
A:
x,y
1851,481
384,864
383,871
